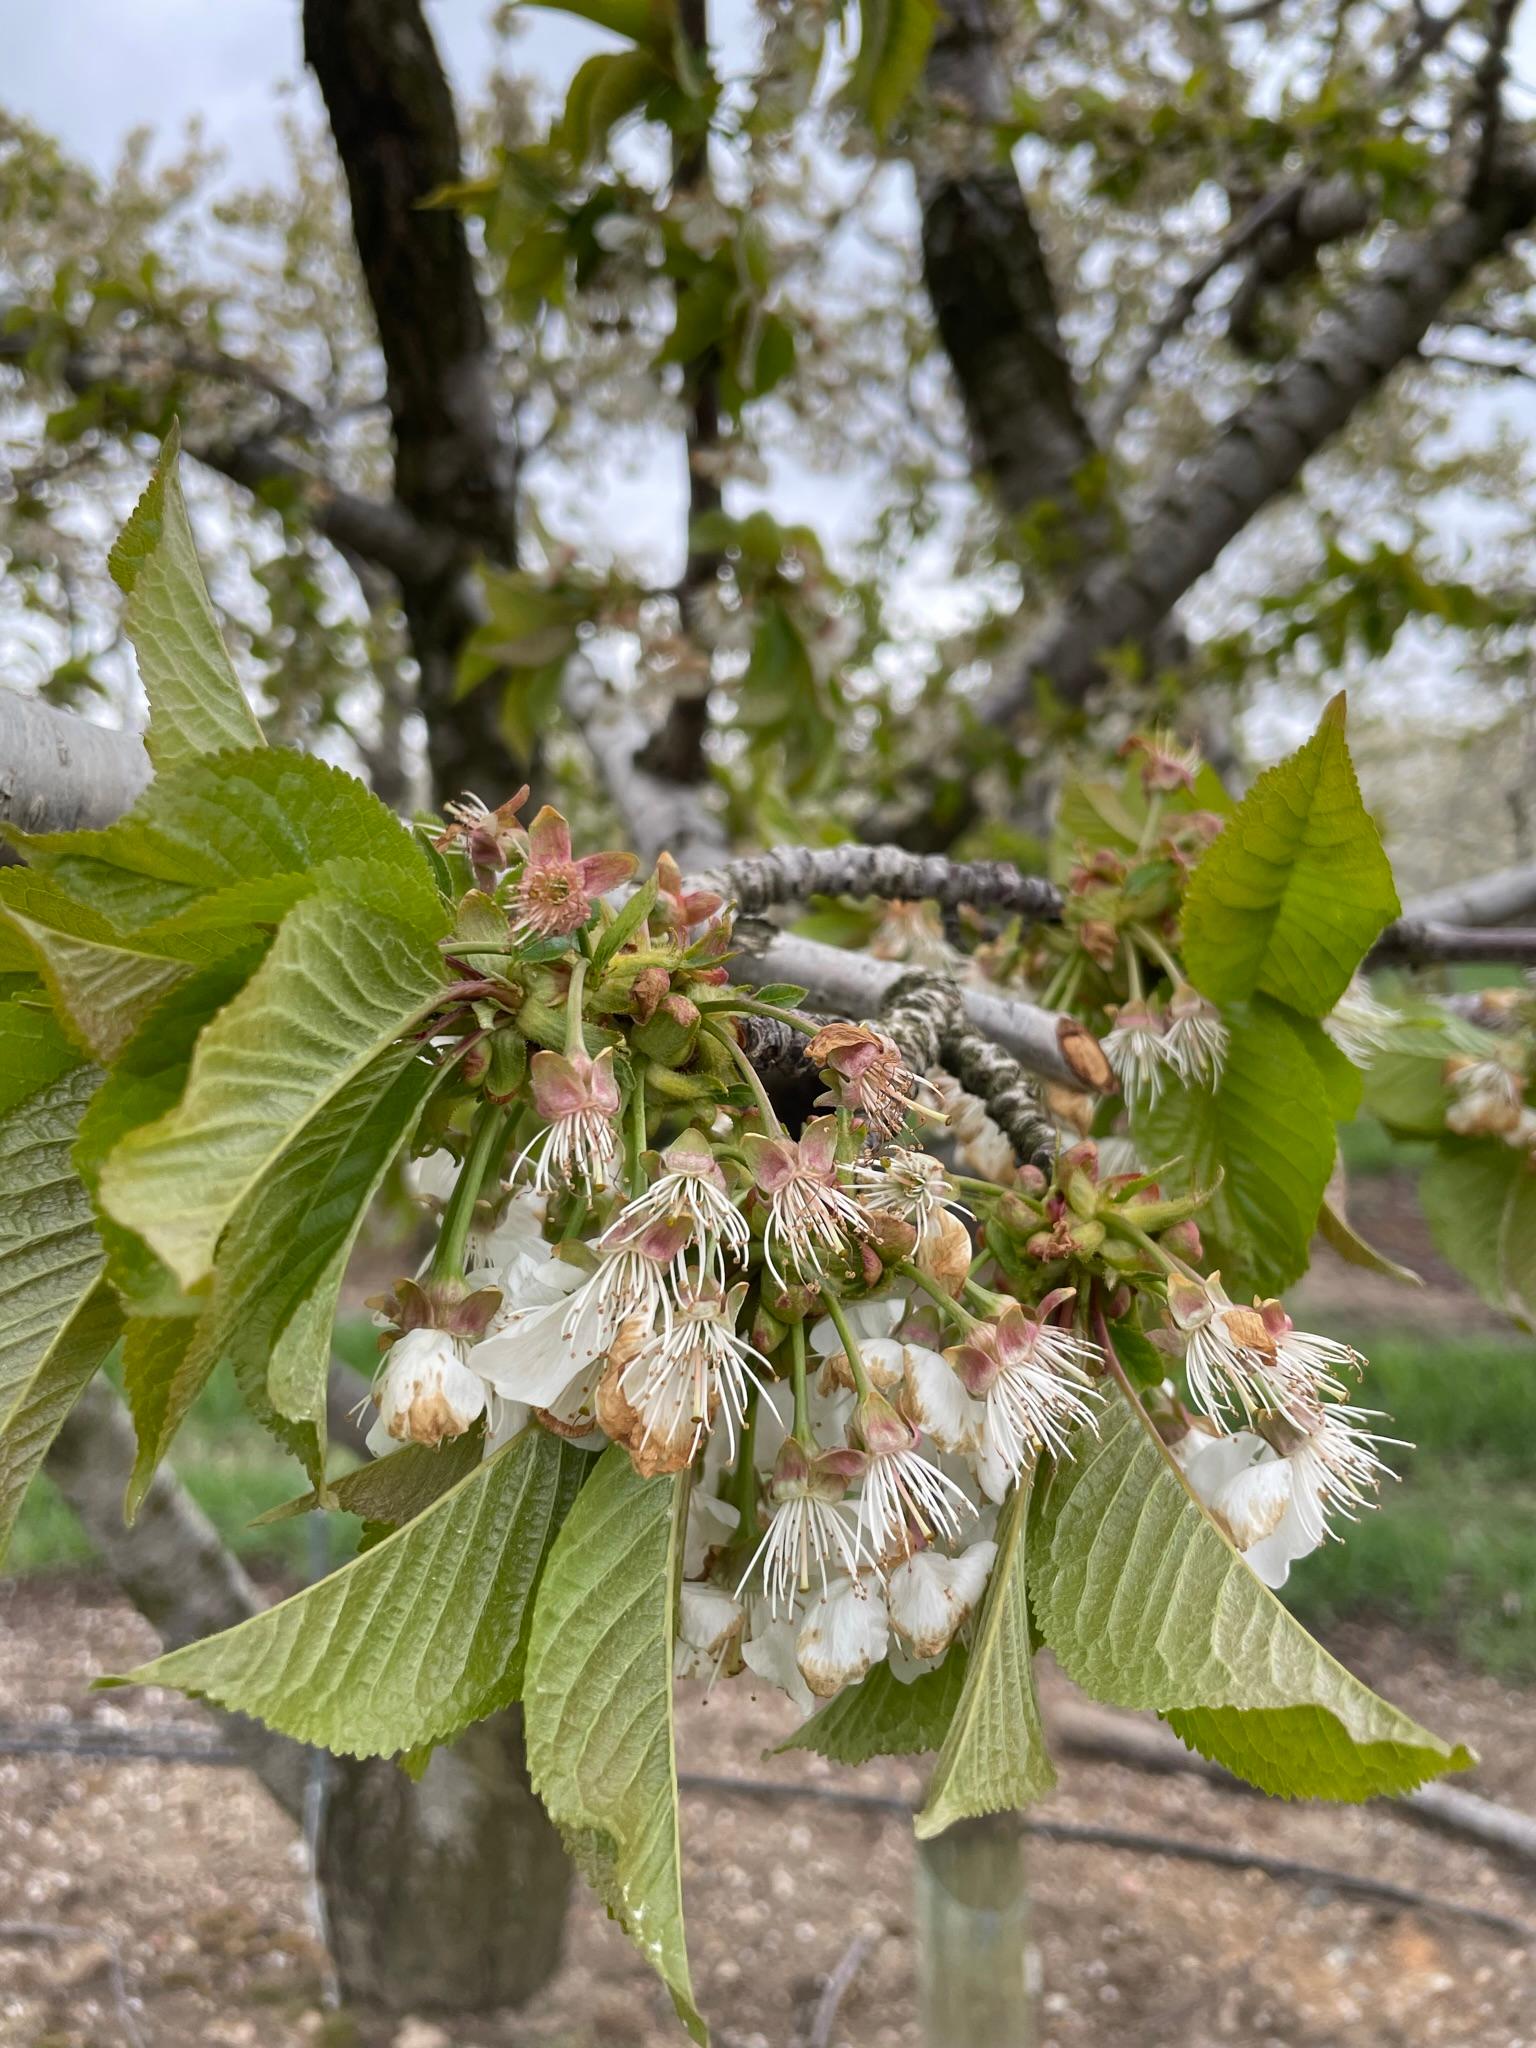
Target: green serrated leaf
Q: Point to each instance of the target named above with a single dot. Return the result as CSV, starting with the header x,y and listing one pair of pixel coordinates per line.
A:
x,y
994,1757
1146,1604
1335,1230
224,820
34,1050
334,992
598,1706
646,22
146,1081
414,1640
1405,1087
1290,897
391,1490
104,982
881,1716
1266,1133
57,1319
196,704
1479,1199
625,925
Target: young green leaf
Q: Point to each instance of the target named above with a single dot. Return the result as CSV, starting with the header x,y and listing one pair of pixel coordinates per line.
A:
x,y
145,1081
58,1319
1479,1199
1265,1132
104,982
880,1716
1290,897
333,993
598,1706
994,1757
294,1237
196,704
34,1050
393,1489
1146,1604
224,820
625,925
894,40
414,1640
1406,1087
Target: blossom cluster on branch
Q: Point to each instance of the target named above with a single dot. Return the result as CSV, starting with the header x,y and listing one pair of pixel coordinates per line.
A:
x,y
856,1349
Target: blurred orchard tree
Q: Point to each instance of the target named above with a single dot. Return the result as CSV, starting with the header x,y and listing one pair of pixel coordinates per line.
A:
x,y
1135,351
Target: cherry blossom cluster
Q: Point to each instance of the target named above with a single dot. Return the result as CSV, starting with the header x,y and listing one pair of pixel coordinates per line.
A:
x,y
855,1350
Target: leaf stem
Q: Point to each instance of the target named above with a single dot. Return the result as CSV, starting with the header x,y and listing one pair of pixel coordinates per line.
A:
x,y
803,1432
750,1007
635,1137
850,1343
574,1041
485,1143
947,1302
772,1128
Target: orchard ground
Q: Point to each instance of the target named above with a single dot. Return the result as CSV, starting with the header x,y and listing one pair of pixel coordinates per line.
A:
x,y
198,1884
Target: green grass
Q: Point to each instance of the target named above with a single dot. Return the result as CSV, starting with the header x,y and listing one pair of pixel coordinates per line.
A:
x,y
232,1469
1452,1548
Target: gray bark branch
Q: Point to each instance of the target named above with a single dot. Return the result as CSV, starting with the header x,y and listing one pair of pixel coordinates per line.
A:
x,y
1261,450
58,772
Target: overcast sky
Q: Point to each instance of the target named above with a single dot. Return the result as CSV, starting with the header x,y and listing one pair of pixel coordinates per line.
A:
x,y
90,70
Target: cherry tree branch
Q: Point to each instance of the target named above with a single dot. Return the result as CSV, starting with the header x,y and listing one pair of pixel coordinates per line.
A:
x,y
58,772
1054,1046
1262,449
792,874
1417,942
1489,899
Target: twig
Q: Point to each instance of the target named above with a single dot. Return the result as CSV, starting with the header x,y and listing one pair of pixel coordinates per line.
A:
x,y
1487,108
1417,942
1181,306
923,1014
48,1930
839,1979
856,985
792,874
1091,1835
1500,898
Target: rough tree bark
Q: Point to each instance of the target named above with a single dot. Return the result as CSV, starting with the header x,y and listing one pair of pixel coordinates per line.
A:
x,y
392,116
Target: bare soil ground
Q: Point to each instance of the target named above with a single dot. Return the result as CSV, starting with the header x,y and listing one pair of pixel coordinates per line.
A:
x,y
197,1883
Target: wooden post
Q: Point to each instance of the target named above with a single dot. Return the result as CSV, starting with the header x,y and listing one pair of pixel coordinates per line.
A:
x,y
976,1968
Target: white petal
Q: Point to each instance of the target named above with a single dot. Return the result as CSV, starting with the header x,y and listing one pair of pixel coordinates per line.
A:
x,y
845,1631
867,1319
1219,1460
707,1618
711,1522
937,1401
994,1471
769,1651
931,1595
432,1179
1253,1501
511,1417
530,1359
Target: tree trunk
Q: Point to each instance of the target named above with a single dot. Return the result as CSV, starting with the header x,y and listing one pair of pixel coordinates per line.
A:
x,y
451,1892
976,1967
